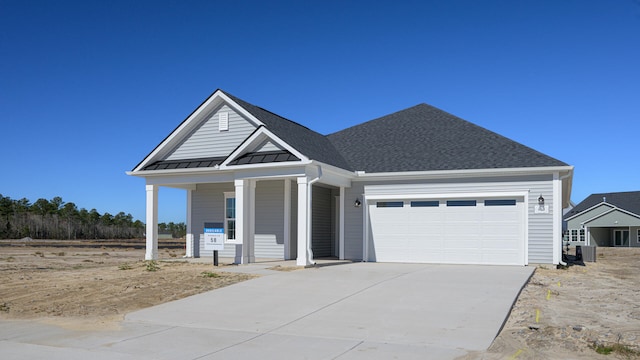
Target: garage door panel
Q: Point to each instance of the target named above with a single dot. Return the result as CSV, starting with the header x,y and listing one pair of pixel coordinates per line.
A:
x,y
449,234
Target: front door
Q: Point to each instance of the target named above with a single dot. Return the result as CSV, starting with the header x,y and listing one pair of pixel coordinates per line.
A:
x,y
621,238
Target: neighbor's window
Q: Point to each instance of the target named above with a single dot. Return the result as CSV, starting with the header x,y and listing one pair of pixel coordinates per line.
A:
x,y
389,204
639,235
461,203
581,234
574,235
230,216
430,203
500,202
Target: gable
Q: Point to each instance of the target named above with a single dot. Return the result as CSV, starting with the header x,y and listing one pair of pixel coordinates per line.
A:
x,y
576,221
208,141
614,218
628,200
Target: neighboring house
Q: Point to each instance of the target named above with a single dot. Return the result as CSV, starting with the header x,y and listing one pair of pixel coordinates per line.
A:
x,y
418,185
608,219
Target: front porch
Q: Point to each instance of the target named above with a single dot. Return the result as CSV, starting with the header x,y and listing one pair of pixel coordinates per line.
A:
x,y
288,218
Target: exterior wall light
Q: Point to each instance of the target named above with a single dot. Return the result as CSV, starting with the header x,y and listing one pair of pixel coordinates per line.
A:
x,y
357,203
540,201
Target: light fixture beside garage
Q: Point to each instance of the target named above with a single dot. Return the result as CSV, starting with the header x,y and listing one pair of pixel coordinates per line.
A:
x,y
540,201
541,208
357,203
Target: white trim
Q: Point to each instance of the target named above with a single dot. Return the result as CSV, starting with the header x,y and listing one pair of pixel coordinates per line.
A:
x,y
189,241
611,206
434,174
557,218
341,220
229,195
151,248
303,207
287,219
257,138
485,194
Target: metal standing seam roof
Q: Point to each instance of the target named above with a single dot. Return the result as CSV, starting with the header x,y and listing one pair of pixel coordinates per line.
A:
x,y
629,201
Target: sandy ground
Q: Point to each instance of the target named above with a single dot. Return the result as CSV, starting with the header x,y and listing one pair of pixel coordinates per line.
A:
x,y
80,287
560,314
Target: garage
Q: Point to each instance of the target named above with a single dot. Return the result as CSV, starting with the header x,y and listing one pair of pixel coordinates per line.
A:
x,y
459,230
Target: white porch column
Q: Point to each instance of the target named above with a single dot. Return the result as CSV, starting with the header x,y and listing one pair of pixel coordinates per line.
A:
x,y
245,220
304,205
341,231
151,252
286,232
189,240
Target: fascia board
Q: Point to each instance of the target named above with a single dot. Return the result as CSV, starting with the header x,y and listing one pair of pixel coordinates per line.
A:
x,y
195,171
260,135
439,174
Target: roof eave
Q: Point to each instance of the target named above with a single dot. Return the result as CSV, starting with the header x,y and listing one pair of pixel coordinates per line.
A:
x,y
436,174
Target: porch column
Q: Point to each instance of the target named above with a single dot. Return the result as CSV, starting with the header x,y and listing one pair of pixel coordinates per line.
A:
x,y
304,211
189,240
151,252
245,223
286,232
341,231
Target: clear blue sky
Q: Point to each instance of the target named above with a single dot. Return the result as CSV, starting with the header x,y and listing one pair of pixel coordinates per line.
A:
x,y
89,88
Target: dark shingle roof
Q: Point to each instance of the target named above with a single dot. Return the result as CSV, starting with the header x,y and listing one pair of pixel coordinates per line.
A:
x,y
426,138
629,201
310,143
264,157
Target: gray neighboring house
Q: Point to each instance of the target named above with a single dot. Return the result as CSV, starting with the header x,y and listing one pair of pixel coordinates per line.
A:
x,y
418,185
607,219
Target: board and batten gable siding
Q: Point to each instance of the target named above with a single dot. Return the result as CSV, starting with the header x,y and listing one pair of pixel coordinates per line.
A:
x,y
540,226
269,219
208,141
207,205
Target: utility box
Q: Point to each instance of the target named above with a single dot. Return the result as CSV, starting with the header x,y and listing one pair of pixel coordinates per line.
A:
x,y
589,253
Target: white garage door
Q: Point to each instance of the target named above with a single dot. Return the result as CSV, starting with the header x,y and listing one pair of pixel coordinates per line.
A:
x,y
455,231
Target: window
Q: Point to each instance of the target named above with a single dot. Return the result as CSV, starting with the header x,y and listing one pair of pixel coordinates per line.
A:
x,y
461,203
582,235
230,216
389,204
574,235
565,235
501,202
431,203
639,235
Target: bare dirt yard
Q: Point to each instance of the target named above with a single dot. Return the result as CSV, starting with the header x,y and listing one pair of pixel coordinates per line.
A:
x,y
96,287
560,314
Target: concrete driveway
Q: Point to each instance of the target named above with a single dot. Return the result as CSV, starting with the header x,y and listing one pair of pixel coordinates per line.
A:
x,y
352,311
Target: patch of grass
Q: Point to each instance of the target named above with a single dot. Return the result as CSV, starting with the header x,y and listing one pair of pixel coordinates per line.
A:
x,y
210,274
173,255
4,307
617,348
152,265
39,253
124,267
61,253
10,259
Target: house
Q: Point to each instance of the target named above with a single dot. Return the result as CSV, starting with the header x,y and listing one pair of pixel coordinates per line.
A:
x,y
607,219
418,185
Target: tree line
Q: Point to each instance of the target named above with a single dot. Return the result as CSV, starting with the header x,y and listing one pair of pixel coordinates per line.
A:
x,y
56,219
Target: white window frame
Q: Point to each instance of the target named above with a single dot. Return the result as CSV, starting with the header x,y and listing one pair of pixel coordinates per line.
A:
x,y
581,235
573,236
227,196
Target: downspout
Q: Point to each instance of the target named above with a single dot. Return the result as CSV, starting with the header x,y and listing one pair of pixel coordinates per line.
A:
x,y
310,204
560,260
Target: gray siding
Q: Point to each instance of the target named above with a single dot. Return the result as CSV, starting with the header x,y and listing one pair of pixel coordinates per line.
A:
x,y
601,237
353,216
540,230
321,222
269,238
267,146
207,141
577,221
207,205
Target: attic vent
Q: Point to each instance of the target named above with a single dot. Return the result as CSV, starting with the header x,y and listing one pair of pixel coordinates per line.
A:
x,y
223,121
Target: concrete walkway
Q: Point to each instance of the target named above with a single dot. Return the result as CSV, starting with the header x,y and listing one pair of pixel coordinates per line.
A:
x,y
350,311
